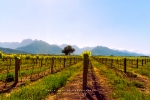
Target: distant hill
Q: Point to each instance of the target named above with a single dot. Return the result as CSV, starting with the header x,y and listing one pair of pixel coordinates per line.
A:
x,y
131,52
100,50
87,48
40,47
14,45
10,51
63,45
11,45
25,42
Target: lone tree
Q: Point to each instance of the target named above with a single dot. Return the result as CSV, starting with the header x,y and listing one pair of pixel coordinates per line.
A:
x,y
68,49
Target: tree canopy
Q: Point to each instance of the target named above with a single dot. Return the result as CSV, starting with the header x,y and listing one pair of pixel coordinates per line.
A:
x,y
68,49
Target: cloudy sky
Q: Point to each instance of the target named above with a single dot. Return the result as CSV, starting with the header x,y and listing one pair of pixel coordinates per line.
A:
x,y
118,24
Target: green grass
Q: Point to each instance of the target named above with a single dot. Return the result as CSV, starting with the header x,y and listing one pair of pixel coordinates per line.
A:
x,y
145,72
47,85
25,72
123,89
36,69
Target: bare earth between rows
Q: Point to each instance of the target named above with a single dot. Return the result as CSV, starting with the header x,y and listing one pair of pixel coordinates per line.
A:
x,y
96,88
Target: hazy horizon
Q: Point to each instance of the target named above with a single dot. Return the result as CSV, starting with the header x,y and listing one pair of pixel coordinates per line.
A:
x,y
116,24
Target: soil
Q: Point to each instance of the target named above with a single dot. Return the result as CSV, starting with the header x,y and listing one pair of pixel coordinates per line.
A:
x,y
96,88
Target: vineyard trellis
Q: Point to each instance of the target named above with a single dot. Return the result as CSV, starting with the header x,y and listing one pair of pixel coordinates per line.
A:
x,y
24,68
121,64
125,63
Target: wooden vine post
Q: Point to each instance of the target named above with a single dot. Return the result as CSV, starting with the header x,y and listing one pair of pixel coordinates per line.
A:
x,y
10,61
125,65
137,63
70,60
85,71
74,60
117,60
41,62
64,61
111,63
52,65
16,69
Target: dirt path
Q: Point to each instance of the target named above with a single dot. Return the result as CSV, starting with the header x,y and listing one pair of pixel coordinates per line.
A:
x,y
96,88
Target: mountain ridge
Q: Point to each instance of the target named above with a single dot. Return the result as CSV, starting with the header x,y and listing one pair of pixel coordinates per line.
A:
x,y
14,45
101,50
39,46
10,51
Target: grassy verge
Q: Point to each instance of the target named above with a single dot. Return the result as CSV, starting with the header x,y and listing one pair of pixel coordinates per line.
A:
x,y
47,85
144,70
123,89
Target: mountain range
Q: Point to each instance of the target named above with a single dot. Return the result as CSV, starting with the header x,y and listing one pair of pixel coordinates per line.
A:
x,y
41,47
100,50
14,45
9,51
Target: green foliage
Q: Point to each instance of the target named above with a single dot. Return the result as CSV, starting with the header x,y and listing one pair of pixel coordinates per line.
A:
x,y
27,56
138,84
86,52
124,89
10,77
68,49
144,72
47,85
1,54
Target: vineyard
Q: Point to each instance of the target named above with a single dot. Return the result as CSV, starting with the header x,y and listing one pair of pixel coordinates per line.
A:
x,y
36,77
128,76
25,68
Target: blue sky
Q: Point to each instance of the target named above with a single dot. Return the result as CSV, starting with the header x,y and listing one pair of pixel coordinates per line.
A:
x,y
118,24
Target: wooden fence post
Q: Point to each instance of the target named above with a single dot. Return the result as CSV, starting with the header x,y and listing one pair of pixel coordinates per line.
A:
x,y
70,60
74,60
111,62
41,62
64,61
120,62
117,60
85,71
137,63
10,61
16,69
52,65
125,65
